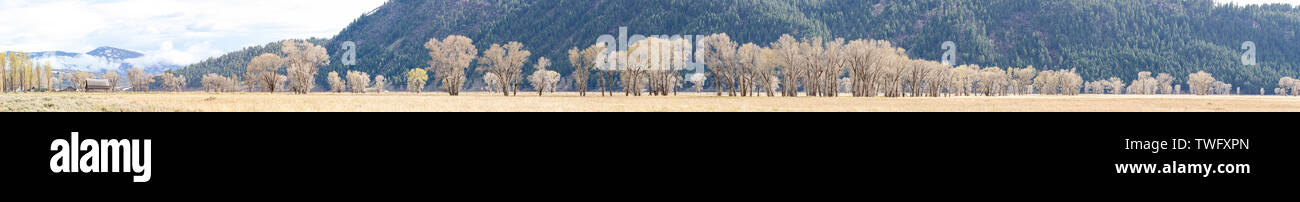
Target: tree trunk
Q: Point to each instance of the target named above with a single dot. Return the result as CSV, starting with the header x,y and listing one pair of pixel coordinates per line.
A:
x,y
602,83
718,82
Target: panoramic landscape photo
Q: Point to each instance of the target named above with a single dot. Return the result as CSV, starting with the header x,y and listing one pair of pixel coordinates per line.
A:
x,y
649,56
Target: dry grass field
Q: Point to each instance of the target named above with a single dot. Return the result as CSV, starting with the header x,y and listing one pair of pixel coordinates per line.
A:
x,y
570,102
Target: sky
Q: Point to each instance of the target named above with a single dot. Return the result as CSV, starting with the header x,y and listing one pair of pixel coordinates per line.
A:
x,y
177,31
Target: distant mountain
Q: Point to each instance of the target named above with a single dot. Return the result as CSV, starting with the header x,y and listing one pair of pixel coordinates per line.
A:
x,y
52,54
102,59
115,54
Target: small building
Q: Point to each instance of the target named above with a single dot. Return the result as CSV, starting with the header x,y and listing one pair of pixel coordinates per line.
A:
x,y
98,84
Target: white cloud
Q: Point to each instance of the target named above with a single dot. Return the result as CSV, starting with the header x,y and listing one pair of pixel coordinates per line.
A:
x,y
80,62
168,54
183,31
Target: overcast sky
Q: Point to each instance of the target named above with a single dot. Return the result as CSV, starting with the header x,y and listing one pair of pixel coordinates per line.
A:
x,y
184,31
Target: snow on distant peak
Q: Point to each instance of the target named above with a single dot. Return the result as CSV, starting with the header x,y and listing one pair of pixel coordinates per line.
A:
x,y
114,53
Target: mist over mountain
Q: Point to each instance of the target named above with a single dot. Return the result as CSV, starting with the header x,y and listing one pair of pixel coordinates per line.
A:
x,y
1101,39
102,59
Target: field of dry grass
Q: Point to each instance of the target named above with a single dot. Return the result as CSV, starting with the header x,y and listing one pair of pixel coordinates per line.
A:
x,y
570,102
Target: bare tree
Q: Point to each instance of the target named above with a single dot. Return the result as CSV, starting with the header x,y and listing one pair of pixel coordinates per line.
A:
x,y
812,53
1023,80
649,66
1166,83
303,58
719,55
634,69
653,65
263,72
993,81
79,79
584,62
47,76
1200,83
751,60
676,82
233,84
416,79
218,84
173,82
113,79
1288,84
962,80
1071,82
876,66
4,72
607,66
180,83
381,84
1295,86
337,85
1095,87
1062,82
1144,85
450,58
544,80
210,83
937,78
1220,88
894,73
507,63
764,71
667,58
359,80
788,57
774,83
1115,85
754,69
138,78
917,73
830,65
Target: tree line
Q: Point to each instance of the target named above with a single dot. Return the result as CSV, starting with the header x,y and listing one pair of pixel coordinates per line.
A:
x,y
789,67
18,73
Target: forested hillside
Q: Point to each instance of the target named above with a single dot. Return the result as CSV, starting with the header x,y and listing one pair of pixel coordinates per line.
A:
x,y
231,64
1101,38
